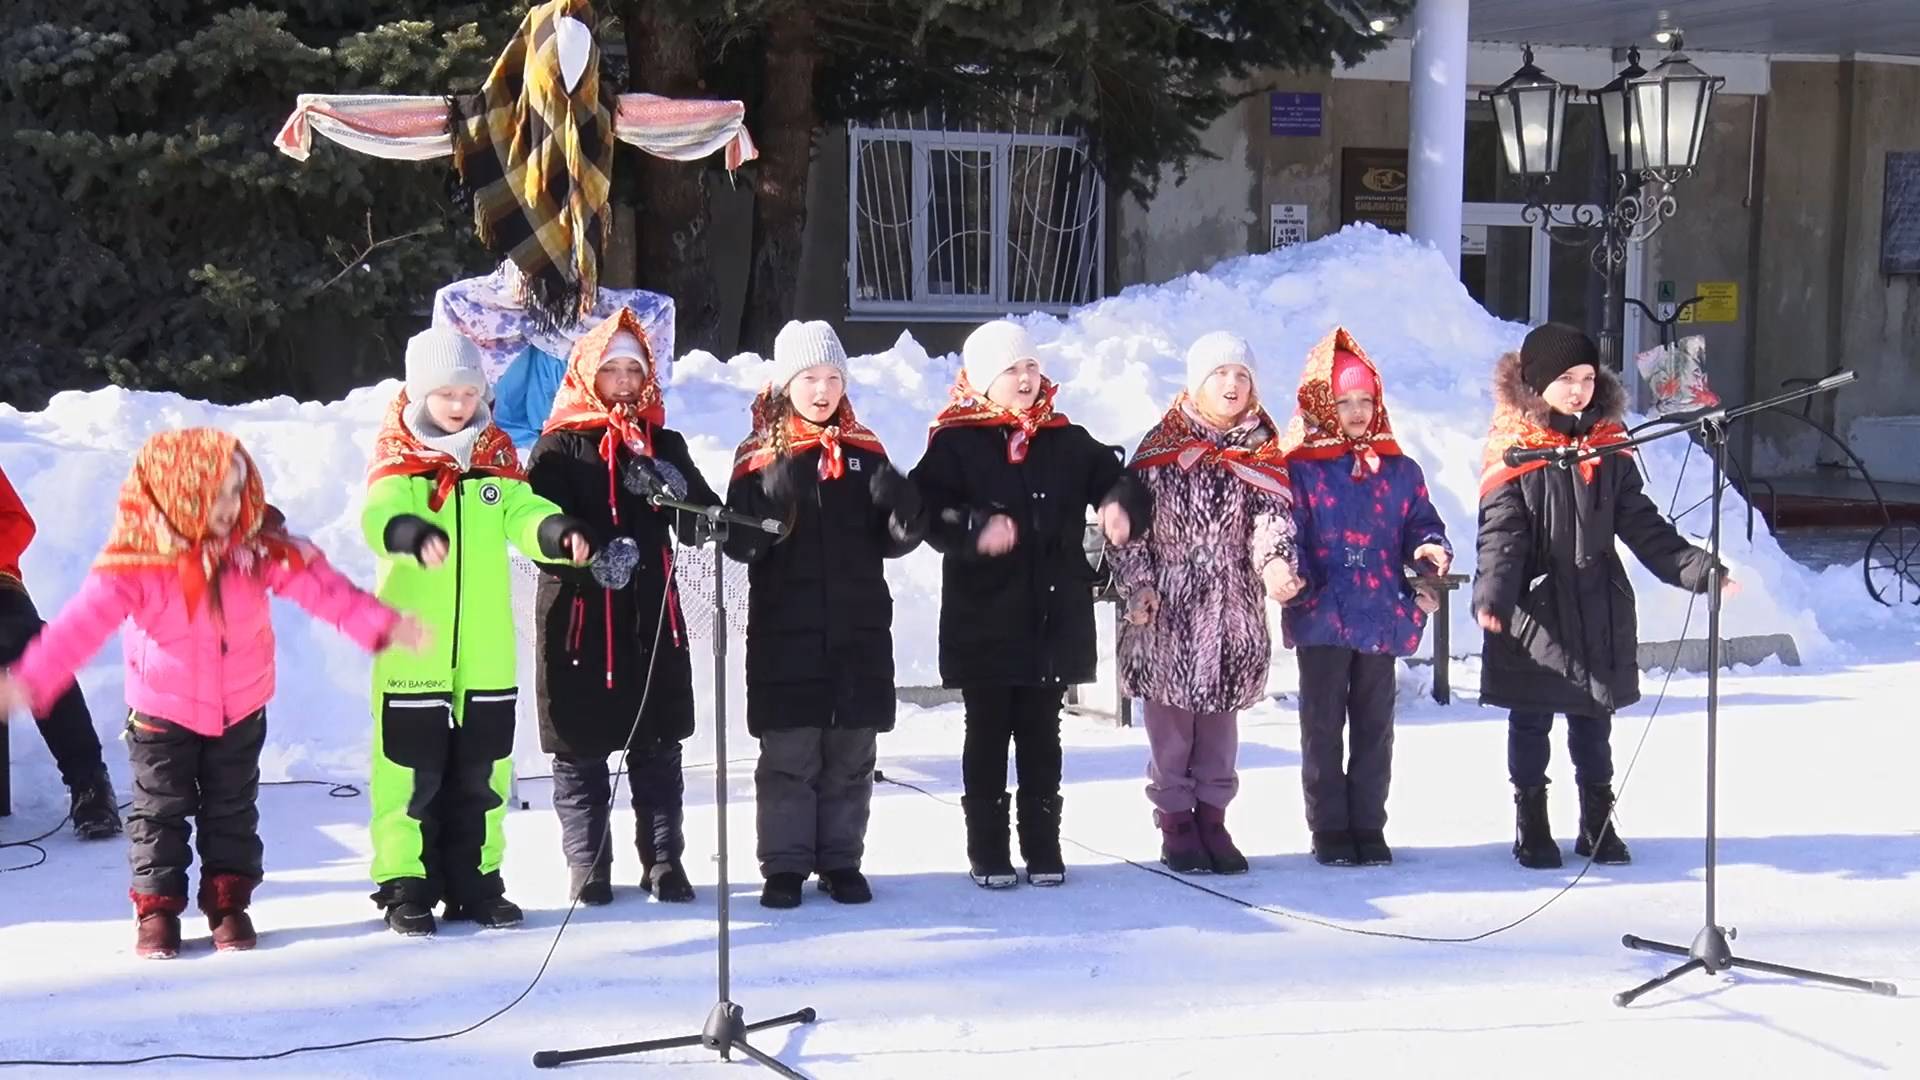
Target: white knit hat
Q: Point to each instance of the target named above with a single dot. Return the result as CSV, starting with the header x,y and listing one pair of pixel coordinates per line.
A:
x,y
1215,350
438,357
802,345
992,349
624,345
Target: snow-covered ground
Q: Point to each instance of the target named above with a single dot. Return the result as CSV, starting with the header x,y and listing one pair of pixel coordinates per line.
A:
x,y
1121,973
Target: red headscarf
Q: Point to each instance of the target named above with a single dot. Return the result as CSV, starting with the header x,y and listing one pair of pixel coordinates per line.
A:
x,y
578,405
761,448
1314,433
1180,440
397,451
967,407
161,519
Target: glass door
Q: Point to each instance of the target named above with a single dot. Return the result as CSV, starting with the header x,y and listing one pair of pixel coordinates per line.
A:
x,y
1519,272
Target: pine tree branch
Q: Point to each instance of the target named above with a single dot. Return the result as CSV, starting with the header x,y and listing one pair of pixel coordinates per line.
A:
x,y
372,246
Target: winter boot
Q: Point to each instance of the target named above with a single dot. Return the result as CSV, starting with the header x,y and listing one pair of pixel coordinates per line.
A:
x,y
1335,847
95,810
1040,839
661,842
1370,847
486,905
989,854
847,885
1212,822
224,899
158,934
411,918
406,905
1533,835
591,885
1180,848
1596,813
488,913
782,890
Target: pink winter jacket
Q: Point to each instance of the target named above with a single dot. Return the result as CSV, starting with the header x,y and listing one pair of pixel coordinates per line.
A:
x,y
205,672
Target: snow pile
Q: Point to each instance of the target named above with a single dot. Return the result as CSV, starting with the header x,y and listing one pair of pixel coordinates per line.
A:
x,y
1119,363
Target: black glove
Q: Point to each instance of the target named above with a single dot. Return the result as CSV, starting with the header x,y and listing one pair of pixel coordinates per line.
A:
x,y
613,566
783,480
409,534
647,477
557,531
893,491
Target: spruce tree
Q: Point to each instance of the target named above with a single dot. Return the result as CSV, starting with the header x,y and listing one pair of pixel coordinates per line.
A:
x,y
161,241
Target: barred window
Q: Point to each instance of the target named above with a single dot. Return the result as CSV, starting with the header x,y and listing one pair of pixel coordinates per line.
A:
x,y
948,219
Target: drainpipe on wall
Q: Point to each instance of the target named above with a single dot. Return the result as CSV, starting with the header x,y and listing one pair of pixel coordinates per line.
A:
x,y
1436,151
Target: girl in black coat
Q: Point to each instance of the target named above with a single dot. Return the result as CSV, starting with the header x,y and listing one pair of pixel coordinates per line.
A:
x,y
1550,590
819,614
614,672
1008,482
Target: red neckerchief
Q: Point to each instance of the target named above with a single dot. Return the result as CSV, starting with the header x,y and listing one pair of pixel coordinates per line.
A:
x,y
967,407
1510,429
1178,439
759,449
397,451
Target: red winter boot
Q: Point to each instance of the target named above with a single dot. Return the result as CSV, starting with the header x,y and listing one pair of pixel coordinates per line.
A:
x,y
224,898
1212,822
1180,848
159,929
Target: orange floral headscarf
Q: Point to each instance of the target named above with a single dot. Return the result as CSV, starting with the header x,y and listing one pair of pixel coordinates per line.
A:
x,y
161,519
578,405
1314,433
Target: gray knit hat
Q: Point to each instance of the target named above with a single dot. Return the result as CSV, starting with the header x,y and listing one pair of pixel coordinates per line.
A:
x,y
438,357
801,345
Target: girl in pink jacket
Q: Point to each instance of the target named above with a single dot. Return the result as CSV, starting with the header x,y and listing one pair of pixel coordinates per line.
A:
x,y
194,553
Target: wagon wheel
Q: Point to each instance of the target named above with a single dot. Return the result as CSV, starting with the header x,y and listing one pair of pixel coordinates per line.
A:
x,y
1893,564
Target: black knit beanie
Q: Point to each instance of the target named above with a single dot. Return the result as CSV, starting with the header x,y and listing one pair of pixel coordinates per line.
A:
x,y
1550,350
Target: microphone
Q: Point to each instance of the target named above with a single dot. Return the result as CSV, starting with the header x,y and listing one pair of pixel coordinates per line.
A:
x,y
1516,456
648,477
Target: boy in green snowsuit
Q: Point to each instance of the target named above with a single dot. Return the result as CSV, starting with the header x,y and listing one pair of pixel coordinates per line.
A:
x,y
445,497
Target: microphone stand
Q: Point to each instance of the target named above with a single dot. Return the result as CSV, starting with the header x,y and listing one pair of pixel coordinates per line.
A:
x,y
726,1029
1710,951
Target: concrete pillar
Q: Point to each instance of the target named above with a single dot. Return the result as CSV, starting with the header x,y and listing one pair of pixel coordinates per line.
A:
x,y
1437,149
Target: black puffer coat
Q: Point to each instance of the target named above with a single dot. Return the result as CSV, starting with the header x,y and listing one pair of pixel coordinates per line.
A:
x,y
580,713
1548,568
1024,618
819,613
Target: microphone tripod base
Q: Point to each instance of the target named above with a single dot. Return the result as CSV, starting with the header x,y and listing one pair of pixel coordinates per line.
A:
x,y
726,1030
1712,953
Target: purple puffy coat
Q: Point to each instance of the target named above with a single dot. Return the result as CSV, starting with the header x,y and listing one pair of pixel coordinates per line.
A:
x,y
1355,538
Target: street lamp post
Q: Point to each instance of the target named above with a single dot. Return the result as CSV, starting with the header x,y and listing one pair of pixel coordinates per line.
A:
x,y
1654,122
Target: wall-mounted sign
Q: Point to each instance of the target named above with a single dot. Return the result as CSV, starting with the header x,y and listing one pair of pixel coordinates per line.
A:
x,y
1719,303
1373,187
1473,240
1294,114
1286,225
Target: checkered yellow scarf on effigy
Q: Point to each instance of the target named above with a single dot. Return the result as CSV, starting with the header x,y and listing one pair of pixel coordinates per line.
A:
x,y
538,161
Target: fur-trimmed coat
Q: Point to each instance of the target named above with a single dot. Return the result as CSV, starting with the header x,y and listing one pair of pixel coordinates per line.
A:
x,y
1208,647
1549,569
